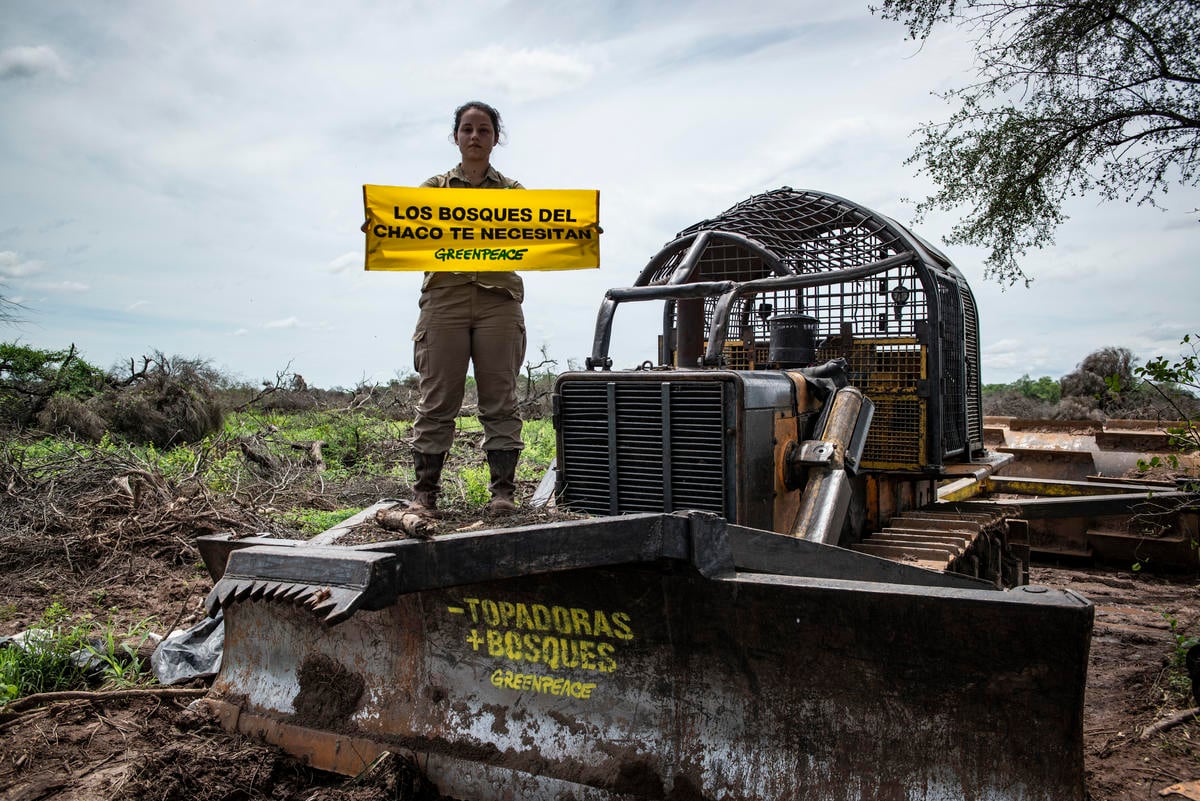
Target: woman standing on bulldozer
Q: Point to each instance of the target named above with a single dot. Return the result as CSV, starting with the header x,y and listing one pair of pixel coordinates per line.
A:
x,y
475,317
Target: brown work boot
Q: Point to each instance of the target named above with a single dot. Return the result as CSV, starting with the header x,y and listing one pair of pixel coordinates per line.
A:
x,y
429,476
502,465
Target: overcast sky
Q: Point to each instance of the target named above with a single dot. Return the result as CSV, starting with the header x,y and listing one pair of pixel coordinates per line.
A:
x,y
187,177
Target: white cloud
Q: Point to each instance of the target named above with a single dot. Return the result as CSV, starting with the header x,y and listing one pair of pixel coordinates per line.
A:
x,y
28,62
526,74
210,166
13,266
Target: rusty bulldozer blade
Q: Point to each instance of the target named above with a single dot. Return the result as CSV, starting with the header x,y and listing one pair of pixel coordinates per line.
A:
x,y
654,656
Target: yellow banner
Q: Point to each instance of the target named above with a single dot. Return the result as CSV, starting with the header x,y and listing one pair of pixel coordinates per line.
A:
x,y
481,229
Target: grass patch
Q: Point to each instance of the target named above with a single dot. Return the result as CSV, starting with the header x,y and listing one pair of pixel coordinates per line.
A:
x,y
540,445
316,521
474,481
61,653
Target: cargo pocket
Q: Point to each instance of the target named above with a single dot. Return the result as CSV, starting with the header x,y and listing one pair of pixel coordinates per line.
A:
x,y
420,346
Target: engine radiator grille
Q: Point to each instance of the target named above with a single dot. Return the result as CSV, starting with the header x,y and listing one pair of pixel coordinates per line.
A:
x,y
642,446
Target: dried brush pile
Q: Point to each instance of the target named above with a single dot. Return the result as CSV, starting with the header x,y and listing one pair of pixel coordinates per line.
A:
x,y
87,506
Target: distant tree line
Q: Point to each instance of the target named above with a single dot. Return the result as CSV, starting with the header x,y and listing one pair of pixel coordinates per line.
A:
x,y
165,401
1108,383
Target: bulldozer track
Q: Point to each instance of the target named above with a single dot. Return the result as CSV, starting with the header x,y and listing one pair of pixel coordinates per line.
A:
x,y
975,544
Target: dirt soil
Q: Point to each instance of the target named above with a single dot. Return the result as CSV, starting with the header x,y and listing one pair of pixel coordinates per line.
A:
x,y
141,747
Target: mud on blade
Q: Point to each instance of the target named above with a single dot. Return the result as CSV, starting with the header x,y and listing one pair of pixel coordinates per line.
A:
x,y
660,656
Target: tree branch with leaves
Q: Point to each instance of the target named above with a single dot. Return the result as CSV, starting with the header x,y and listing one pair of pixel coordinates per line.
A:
x,y
1072,98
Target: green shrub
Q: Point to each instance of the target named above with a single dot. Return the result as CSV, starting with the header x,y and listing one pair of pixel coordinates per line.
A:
x,y
44,661
30,377
475,484
62,654
540,449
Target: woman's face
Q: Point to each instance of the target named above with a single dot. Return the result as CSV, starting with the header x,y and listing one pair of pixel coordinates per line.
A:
x,y
476,136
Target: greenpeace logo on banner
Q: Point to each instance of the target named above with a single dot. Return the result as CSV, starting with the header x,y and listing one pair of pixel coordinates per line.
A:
x,y
431,229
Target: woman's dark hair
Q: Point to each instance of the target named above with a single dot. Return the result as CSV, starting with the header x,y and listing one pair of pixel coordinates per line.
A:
x,y
486,109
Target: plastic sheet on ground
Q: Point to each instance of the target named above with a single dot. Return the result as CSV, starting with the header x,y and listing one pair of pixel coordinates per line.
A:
x,y
192,654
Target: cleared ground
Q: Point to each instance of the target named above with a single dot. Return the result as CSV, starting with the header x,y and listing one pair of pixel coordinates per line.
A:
x,y
149,747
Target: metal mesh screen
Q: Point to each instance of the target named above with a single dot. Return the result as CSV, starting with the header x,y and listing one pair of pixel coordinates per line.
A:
x,y
808,232
910,332
953,364
974,388
890,373
891,304
897,437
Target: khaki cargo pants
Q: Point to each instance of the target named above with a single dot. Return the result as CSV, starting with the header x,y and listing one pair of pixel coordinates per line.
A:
x,y
457,325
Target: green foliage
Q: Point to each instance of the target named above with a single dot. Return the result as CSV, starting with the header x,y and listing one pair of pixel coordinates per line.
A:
x,y
540,446
1070,99
30,377
475,484
43,662
353,442
1184,371
116,654
1044,389
61,654
1024,397
315,521
60,371
1177,383
1181,642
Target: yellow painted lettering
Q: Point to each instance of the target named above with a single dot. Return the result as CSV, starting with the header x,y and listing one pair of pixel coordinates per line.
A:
x,y
550,652
569,653
621,629
524,621
533,647
605,662
512,646
473,605
600,626
582,621
587,654
562,619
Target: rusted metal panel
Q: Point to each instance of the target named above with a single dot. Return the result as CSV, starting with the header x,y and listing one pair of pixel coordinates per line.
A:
x,y
652,679
1032,462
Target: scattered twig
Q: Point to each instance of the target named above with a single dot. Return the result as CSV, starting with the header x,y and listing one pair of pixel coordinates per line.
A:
x,y
1170,723
41,699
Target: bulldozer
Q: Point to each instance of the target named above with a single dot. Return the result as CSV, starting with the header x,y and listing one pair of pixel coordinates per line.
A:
x,y
761,596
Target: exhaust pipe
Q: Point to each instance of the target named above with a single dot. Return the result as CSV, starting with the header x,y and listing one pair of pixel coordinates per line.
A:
x,y
842,434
